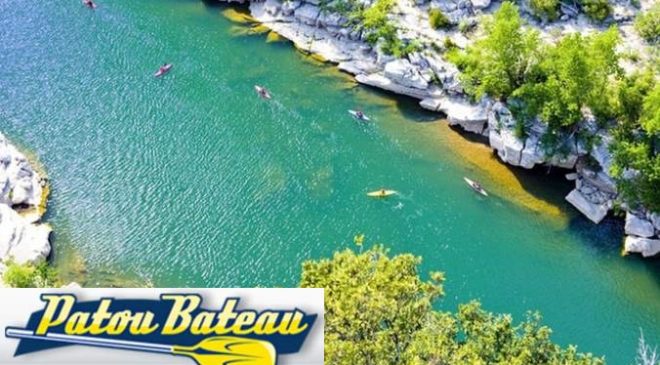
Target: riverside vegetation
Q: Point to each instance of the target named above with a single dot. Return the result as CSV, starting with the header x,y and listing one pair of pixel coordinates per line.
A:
x,y
379,311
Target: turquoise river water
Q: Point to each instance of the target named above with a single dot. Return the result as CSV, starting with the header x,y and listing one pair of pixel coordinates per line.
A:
x,y
192,180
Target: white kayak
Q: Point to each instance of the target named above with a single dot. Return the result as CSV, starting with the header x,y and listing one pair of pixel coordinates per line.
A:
x,y
163,70
358,116
475,186
382,193
262,91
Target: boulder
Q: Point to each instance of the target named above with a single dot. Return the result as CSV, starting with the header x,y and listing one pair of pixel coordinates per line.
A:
x,y
509,148
20,240
647,247
459,111
655,219
595,212
638,226
19,183
307,14
402,72
480,4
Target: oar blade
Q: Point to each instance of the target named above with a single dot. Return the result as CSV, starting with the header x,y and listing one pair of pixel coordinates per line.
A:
x,y
229,350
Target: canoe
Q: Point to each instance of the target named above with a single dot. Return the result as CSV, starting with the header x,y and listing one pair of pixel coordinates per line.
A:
x,y
355,114
475,186
262,91
162,71
381,193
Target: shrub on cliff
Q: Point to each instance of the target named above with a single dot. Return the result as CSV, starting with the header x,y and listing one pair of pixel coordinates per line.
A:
x,y
29,276
596,9
545,9
636,165
438,19
500,62
379,311
648,24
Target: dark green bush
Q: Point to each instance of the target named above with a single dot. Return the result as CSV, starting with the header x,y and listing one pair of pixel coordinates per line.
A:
x,y
597,9
545,9
438,19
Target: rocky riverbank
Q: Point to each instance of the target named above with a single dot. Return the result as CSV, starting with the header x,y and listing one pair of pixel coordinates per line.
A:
x,y
425,75
24,238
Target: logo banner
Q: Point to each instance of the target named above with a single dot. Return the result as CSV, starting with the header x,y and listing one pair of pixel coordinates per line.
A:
x,y
164,326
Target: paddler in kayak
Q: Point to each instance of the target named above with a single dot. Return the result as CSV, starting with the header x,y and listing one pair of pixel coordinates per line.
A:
x,y
89,3
165,68
359,115
262,92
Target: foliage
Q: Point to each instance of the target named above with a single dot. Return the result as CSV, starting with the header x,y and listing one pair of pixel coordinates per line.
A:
x,y
29,276
438,19
596,9
545,9
636,164
500,62
379,311
647,24
573,75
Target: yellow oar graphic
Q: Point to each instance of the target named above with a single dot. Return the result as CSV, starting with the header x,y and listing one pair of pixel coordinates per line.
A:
x,y
220,350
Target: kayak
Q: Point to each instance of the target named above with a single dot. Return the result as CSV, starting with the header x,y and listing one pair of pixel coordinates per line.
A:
x,y
381,193
475,186
163,70
355,114
262,91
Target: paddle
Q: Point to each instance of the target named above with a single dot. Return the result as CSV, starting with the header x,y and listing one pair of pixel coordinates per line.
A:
x,y
220,350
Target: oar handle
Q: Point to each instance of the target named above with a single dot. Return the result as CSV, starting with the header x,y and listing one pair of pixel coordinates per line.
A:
x,y
22,333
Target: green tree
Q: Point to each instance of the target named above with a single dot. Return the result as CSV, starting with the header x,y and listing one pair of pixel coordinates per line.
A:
x,y
502,61
379,311
636,164
647,24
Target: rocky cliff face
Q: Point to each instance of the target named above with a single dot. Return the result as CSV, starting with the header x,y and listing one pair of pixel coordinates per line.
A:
x,y
23,238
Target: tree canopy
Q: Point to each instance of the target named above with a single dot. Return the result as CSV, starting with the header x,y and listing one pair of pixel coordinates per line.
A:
x,y
379,311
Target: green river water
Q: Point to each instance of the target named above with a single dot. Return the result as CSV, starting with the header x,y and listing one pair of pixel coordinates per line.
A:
x,y
191,180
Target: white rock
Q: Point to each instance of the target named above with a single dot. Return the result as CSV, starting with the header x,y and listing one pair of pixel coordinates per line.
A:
x,y
480,4
571,176
19,183
647,247
655,219
307,14
595,212
72,285
532,154
638,226
380,81
20,240
404,73
507,145
471,117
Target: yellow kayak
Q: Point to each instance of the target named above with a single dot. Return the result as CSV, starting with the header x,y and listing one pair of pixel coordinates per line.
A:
x,y
382,193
